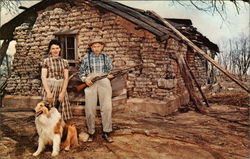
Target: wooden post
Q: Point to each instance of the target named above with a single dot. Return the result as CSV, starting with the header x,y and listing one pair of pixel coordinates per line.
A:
x,y
197,84
201,52
189,83
3,49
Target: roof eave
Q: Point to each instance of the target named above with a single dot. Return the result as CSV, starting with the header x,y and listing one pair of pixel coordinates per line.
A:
x,y
27,16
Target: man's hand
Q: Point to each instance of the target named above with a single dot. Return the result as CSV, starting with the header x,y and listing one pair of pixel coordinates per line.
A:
x,y
88,82
110,76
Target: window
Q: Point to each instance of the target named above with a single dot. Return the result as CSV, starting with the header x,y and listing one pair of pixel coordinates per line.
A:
x,y
68,45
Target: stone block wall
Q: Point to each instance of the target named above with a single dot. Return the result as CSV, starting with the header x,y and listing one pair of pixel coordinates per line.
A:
x,y
158,79
25,74
198,67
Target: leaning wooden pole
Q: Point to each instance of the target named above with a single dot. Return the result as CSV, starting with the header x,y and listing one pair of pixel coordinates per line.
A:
x,y
197,84
201,52
186,75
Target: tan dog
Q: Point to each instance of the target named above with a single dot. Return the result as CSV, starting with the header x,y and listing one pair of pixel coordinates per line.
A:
x,y
53,130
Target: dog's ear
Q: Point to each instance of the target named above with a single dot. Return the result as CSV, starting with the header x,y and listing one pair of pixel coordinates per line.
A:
x,y
37,107
47,105
45,102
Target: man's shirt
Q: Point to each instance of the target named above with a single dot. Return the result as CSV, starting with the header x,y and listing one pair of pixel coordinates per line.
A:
x,y
94,64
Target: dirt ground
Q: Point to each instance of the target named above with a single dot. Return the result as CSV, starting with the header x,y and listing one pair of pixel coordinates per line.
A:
x,y
223,133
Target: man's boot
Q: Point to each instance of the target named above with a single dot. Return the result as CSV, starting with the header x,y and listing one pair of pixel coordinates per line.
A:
x,y
107,137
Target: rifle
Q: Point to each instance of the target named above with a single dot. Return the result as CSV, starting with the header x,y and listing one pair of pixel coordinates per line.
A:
x,y
114,73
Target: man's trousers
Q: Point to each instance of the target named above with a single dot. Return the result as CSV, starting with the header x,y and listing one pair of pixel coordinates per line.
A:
x,y
102,90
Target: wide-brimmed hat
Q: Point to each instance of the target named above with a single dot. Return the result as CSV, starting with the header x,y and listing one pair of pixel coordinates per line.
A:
x,y
97,40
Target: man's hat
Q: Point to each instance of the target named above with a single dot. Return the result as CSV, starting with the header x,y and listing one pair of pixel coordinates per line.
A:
x,y
96,40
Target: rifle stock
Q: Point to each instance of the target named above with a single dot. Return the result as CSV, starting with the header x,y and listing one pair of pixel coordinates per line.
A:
x,y
80,87
115,73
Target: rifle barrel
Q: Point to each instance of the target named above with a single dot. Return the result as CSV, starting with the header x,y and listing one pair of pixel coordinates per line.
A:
x,y
123,71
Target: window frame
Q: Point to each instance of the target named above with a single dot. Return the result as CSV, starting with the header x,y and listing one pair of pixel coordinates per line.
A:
x,y
62,37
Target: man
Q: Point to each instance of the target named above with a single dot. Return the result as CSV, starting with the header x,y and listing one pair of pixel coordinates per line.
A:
x,y
95,63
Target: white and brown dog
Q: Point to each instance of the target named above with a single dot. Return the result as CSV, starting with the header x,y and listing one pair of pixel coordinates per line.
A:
x,y
53,130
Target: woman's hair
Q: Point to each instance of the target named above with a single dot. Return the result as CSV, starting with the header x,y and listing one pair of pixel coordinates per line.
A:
x,y
53,42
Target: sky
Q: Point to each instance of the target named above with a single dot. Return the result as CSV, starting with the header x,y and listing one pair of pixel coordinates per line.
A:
x,y
210,25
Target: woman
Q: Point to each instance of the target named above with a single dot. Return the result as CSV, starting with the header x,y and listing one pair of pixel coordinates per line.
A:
x,y
55,77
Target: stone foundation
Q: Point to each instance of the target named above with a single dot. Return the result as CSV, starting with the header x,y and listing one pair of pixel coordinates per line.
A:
x,y
12,101
158,107
120,103
29,102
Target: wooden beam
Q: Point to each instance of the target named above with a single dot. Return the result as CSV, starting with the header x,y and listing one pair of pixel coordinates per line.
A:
x,y
197,84
164,37
203,54
139,17
138,27
187,77
3,50
142,17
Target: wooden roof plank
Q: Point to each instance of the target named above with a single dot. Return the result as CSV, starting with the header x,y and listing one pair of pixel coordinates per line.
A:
x,y
164,37
27,16
67,32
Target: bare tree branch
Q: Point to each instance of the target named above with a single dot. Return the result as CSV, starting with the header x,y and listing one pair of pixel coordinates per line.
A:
x,y
236,58
212,6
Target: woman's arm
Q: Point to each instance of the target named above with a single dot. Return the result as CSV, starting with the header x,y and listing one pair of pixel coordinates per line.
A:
x,y
45,85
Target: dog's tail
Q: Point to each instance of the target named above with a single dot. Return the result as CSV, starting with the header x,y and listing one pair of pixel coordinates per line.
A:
x,y
74,141
69,135
65,133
